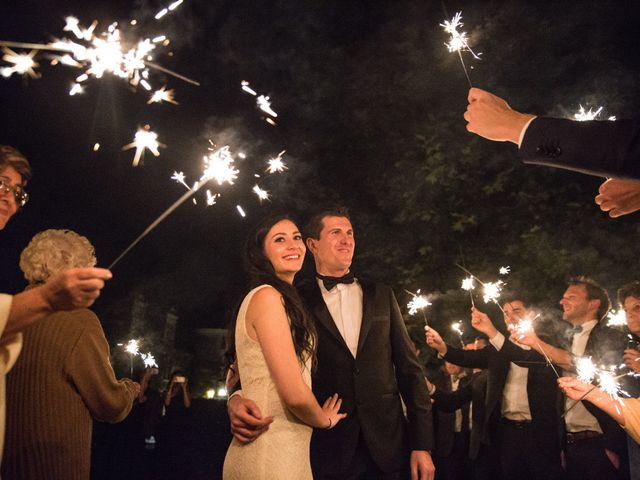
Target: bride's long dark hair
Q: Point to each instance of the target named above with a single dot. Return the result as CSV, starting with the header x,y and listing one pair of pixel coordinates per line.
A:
x,y
261,271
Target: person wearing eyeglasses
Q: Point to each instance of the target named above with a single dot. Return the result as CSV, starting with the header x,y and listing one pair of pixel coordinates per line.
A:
x,y
68,290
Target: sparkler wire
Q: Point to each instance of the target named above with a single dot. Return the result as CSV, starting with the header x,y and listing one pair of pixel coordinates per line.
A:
x,y
155,223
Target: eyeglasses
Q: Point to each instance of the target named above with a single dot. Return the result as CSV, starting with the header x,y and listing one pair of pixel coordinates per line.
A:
x,y
18,192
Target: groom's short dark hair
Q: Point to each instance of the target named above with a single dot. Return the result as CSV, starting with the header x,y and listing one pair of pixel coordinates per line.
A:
x,y
314,224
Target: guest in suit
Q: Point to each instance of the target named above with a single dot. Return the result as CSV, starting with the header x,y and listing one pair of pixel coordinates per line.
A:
x,y
594,445
365,353
520,407
610,149
452,423
483,458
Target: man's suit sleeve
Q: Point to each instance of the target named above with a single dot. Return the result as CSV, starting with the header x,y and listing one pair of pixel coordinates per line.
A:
x,y
468,358
602,148
451,401
411,381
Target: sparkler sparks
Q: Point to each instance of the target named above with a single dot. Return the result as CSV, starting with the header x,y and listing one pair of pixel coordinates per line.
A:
x,y
163,95
458,41
492,291
262,194
583,116
276,164
219,166
418,302
585,369
616,318
144,139
505,270
262,101
23,64
467,284
149,360
132,347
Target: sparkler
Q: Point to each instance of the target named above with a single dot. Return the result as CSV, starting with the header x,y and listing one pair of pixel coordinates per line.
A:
x,y
23,64
132,348
505,270
276,164
467,284
458,41
457,327
582,115
163,95
149,360
144,139
616,318
524,326
491,291
418,302
218,166
262,194
263,102
94,53
606,378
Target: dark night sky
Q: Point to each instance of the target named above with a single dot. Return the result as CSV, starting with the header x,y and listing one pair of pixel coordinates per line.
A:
x,y
314,59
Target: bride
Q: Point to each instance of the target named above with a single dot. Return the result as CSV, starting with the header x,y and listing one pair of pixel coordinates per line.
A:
x,y
275,351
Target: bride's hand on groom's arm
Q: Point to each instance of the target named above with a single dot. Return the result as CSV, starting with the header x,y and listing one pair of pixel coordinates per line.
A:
x,y
247,422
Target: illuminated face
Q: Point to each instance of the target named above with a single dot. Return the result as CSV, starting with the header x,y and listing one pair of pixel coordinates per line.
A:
x,y
8,206
576,307
333,251
284,248
632,312
514,312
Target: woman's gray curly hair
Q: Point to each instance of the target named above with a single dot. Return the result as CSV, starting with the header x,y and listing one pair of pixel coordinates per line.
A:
x,y
52,251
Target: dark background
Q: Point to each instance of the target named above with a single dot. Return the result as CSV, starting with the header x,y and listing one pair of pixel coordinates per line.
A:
x,y
370,107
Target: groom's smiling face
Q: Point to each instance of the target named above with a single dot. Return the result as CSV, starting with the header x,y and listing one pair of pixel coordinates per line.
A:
x,y
333,250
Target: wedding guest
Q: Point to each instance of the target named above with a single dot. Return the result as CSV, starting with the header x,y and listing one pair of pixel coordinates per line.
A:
x,y
275,348
63,379
520,407
365,353
74,288
603,148
595,447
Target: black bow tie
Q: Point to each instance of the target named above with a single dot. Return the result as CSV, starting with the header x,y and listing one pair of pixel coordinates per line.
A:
x,y
330,282
575,330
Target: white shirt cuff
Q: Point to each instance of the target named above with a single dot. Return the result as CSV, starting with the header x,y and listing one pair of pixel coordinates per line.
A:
x,y
524,130
497,341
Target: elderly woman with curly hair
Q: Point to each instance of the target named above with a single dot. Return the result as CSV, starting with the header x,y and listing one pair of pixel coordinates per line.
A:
x,y
63,379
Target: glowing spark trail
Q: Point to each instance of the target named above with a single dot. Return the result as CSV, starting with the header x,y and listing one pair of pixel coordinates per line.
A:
x,y
262,101
132,347
262,194
163,95
458,41
218,166
505,270
144,139
23,64
276,164
457,327
583,116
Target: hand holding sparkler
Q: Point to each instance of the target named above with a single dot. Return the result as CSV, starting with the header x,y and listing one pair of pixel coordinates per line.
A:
x,y
435,341
574,388
481,322
491,117
619,197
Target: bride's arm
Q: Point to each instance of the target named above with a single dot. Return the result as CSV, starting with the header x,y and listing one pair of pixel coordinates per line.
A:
x,y
267,322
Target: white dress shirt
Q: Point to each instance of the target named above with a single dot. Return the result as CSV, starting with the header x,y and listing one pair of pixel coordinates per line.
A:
x,y
344,302
515,400
578,418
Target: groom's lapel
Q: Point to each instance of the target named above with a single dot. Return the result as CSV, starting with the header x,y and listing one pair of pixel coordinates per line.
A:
x,y
322,315
368,295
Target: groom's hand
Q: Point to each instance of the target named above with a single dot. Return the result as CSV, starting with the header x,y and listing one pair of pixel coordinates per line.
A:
x,y
422,467
246,420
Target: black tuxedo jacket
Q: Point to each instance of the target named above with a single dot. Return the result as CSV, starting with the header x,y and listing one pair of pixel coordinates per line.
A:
x,y
602,148
371,385
605,346
542,391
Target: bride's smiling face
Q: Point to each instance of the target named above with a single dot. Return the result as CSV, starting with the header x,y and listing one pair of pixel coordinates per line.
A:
x,y
285,250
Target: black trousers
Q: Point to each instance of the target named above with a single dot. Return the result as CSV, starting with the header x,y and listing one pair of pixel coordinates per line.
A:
x,y
524,457
456,465
587,460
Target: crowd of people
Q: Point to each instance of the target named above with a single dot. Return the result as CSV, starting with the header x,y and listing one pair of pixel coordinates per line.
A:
x,y
326,381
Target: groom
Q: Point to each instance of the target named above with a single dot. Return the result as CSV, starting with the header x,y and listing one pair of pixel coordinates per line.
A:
x,y
365,355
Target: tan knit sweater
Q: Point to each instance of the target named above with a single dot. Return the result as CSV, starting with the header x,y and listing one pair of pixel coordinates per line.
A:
x,y
62,379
